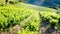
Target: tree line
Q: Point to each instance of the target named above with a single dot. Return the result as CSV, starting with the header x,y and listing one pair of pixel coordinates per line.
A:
x,y
10,1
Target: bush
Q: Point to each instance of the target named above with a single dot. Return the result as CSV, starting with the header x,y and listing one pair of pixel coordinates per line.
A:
x,y
50,17
54,22
11,2
59,20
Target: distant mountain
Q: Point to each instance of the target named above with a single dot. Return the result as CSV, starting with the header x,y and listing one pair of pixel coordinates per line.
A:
x,y
49,3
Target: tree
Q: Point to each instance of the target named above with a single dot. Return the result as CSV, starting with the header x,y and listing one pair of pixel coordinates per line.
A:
x,y
22,0
6,1
2,2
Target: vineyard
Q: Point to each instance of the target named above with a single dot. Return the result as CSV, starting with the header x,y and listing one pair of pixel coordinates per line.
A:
x,y
28,17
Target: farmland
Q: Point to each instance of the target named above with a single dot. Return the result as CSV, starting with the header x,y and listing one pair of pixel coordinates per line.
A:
x,y
28,17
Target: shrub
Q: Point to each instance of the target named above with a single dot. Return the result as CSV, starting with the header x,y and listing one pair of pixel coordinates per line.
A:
x,y
11,2
50,17
54,22
59,20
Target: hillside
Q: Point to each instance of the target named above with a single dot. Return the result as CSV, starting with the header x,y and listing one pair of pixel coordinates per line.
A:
x,y
28,19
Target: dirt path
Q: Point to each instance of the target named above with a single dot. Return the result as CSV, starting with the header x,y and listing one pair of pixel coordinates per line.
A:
x,y
27,19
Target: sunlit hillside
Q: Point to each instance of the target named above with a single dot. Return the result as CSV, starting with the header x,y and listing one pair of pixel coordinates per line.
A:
x,y
25,18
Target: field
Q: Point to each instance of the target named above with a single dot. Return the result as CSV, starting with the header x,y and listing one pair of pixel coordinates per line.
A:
x,y
27,19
